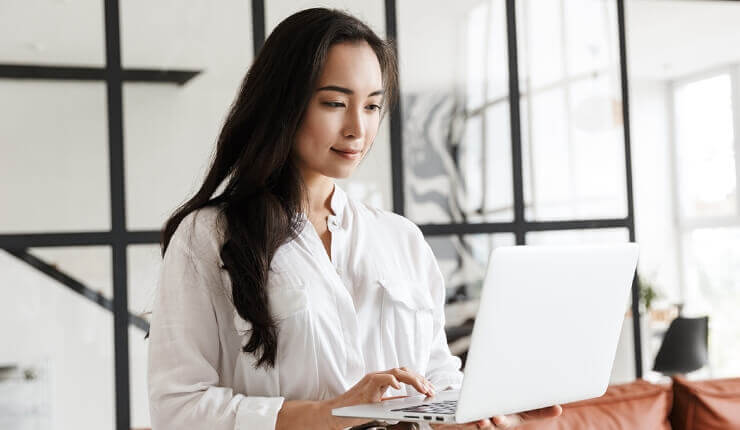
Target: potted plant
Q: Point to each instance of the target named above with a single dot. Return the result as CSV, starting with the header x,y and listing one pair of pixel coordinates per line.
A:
x,y
648,293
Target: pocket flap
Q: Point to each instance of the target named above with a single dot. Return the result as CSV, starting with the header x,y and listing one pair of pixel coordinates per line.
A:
x,y
411,294
284,259
284,300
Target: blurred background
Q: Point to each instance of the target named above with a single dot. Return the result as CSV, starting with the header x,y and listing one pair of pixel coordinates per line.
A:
x,y
517,125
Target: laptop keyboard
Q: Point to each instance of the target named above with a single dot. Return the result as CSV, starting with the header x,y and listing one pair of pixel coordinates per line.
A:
x,y
446,407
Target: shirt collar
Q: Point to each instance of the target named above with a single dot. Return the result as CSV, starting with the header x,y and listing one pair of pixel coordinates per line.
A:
x,y
338,202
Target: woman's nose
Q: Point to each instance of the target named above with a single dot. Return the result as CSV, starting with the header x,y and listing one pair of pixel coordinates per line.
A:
x,y
354,123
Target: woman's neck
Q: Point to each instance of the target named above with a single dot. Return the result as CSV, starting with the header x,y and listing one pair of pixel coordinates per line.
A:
x,y
319,189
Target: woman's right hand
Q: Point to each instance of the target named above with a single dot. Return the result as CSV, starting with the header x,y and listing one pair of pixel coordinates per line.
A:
x,y
370,389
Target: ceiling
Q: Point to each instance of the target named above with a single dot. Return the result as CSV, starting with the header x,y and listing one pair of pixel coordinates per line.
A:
x,y
668,39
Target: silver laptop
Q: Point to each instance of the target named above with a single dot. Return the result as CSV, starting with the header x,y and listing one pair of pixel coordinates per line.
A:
x,y
546,333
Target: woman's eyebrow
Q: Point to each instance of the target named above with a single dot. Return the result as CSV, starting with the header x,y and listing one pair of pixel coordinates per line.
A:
x,y
346,90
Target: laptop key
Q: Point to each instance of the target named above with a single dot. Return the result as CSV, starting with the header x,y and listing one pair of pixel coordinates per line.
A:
x,y
445,408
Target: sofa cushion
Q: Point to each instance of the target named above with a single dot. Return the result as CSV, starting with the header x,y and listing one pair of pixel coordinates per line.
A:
x,y
634,406
706,405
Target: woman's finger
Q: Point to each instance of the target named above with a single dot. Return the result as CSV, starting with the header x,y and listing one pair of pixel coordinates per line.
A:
x,y
385,379
466,426
486,424
548,412
506,421
417,381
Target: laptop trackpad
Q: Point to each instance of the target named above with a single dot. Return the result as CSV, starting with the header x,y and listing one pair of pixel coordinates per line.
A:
x,y
420,400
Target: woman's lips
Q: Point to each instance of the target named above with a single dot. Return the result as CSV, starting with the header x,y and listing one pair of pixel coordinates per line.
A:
x,y
349,155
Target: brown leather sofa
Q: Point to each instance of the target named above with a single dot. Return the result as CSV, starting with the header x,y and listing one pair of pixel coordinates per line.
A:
x,y
681,405
640,405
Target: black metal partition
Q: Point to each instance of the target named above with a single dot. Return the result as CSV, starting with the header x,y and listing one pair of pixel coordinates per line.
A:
x,y
119,237
520,226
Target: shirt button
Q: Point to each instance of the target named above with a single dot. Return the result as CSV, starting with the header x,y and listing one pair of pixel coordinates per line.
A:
x,y
339,271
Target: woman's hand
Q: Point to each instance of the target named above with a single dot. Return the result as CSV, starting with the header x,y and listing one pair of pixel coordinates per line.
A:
x,y
505,421
370,389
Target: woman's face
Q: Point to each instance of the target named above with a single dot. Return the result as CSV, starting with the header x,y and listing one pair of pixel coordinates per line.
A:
x,y
343,116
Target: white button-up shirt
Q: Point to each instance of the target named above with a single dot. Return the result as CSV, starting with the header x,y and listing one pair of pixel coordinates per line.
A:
x,y
376,304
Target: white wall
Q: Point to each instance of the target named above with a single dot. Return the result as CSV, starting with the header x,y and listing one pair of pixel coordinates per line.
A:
x,y
42,321
653,193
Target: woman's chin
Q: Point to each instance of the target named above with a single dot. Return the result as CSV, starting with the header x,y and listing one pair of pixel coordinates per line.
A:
x,y
341,173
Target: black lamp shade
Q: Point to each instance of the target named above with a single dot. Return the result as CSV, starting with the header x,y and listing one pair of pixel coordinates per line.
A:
x,y
684,348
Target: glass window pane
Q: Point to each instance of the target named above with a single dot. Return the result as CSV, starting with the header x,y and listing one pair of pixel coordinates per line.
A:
x,y
475,55
59,33
165,126
90,265
463,260
591,32
456,134
144,263
192,35
138,350
575,237
707,180
540,40
712,278
499,197
549,177
497,52
597,142
53,177
471,167
169,125
64,345
572,131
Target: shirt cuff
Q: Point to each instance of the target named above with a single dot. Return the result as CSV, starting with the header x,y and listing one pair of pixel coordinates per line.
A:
x,y
258,413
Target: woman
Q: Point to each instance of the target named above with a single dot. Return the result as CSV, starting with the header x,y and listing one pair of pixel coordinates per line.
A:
x,y
281,298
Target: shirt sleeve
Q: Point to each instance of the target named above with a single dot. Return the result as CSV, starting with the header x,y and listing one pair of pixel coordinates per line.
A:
x,y
443,370
183,356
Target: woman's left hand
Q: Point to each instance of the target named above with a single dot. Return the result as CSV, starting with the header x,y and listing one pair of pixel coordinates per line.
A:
x,y
505,421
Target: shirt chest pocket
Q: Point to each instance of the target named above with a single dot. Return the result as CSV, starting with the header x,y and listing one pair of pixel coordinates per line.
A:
x,y
290,308
407,321
287,299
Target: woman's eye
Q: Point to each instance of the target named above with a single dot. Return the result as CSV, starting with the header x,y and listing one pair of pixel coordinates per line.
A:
x,y
334,104
374,107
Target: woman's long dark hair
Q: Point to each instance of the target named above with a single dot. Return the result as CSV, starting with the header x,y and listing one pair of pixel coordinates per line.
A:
x,y
264,191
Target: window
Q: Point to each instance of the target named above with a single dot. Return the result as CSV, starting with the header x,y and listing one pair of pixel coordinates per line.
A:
x,y
472,180
572,131
706,119
54,162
